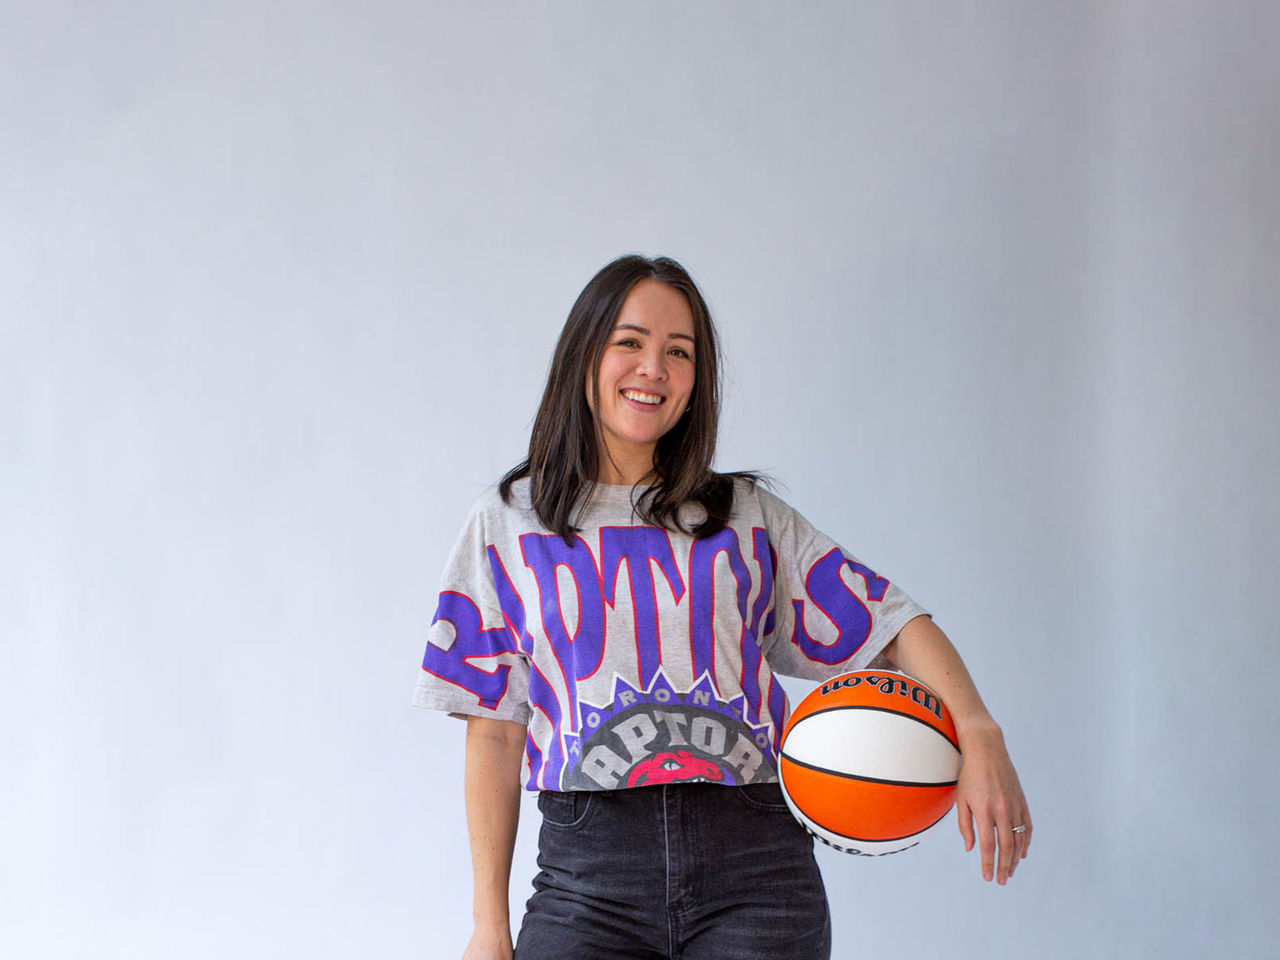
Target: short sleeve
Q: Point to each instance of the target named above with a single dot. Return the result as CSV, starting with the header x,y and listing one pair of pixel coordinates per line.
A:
x,y
473,665
832,613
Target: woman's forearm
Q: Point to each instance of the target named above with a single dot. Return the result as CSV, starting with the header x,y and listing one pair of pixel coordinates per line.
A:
x,y
923,650
494,752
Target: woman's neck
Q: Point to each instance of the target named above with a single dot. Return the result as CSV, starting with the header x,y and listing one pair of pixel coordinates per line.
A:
x,y
627,471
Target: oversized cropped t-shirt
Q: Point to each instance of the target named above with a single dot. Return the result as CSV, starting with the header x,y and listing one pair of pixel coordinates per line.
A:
x,y
641,655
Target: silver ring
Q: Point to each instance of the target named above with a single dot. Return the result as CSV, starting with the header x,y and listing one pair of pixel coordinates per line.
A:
x,y
1020,828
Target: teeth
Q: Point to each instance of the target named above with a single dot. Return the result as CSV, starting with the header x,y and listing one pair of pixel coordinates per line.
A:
x,y
639,397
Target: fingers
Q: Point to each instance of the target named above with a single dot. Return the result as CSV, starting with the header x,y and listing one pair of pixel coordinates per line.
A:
x,y
964,819
1000,847
1020,841
987,847
1006,860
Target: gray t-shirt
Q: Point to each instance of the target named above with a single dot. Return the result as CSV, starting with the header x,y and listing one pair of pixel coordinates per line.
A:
x,y
641,655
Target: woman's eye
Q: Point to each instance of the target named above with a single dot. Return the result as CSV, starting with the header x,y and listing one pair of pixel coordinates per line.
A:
x,y
680,352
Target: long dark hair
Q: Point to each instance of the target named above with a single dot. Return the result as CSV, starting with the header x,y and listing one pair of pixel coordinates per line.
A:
x,y
564,446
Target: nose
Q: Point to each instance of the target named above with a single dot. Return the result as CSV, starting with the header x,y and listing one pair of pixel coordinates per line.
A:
x,y
653,364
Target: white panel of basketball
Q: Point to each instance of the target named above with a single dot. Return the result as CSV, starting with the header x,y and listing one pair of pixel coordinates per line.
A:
x,y
875,744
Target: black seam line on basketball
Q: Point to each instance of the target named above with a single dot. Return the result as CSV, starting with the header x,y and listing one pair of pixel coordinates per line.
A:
x,y
854,776
896,713
906,836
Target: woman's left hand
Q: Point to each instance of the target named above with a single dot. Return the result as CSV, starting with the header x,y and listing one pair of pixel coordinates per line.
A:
x,y
990,803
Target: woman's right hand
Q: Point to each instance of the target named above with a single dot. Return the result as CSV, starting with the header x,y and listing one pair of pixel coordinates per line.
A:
x,y
489,943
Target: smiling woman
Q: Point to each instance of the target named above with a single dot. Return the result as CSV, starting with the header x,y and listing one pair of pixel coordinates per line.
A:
x,y
645,378
645,709
639,326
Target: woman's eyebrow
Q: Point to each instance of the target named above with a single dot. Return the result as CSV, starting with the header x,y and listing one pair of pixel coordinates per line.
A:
x,y
645,330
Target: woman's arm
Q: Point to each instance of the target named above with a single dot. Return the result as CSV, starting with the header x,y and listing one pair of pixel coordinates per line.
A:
x,y
988,791
494,751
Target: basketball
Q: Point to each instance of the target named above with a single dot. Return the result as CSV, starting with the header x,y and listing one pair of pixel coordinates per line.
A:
x,y
869,762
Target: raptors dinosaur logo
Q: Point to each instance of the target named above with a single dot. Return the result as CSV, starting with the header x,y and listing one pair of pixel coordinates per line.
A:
x,y
661,735
679,767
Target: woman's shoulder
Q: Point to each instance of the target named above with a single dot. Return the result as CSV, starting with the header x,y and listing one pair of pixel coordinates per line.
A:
x,y
517,495
491,506
751,493
754,501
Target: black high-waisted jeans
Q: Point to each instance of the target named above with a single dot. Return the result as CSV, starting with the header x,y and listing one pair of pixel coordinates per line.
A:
x,y
678,872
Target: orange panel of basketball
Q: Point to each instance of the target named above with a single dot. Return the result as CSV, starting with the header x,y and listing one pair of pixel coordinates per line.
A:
x,y
869,761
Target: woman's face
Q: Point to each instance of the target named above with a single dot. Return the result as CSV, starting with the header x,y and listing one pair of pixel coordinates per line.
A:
x,y
645,377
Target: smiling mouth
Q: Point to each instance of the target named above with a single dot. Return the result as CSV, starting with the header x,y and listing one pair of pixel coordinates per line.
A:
x,y
652,399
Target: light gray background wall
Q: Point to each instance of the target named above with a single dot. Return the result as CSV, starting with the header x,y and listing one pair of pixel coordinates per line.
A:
x,y
278,283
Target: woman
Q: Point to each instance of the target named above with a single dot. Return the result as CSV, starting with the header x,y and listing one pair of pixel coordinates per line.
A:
x,y
611,623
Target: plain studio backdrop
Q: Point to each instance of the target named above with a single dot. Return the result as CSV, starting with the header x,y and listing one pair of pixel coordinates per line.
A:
x,y
279,282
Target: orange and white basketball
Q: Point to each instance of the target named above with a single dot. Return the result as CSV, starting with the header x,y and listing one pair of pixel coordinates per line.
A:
x,y
869,762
